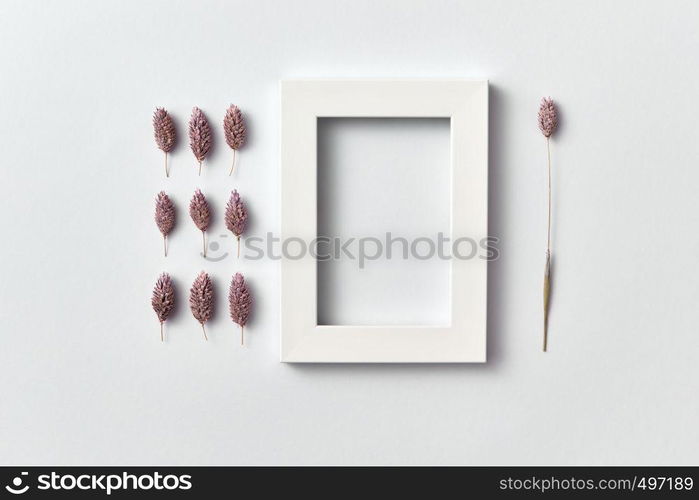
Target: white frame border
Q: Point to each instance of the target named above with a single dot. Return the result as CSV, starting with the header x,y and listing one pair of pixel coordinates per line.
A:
x,y
465,102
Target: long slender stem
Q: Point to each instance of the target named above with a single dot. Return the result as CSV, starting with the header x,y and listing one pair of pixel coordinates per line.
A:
x,y
161,332
238,246
547,291
548,230
242,341
200,168
167,172
547,270
165,244
204,330
233,165
203,239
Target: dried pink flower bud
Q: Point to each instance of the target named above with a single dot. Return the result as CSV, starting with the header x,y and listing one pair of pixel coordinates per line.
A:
x,y
234,127
164,130
201,299
548,120
240,302
199,135
163,299
236,216
199,211
234,130
200,214
164,216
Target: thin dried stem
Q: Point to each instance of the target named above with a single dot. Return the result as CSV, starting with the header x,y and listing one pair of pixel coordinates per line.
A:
x,y
547,270
548,230
238,246
161,332
233,165
203,238
204,330
167,172
547,293
200,168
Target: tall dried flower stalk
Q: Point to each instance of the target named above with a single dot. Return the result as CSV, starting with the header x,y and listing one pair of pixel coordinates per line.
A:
x,y
239,303
199,135
164,216
236,216
234,130
201,300
164,130
163,300
548,122
200,214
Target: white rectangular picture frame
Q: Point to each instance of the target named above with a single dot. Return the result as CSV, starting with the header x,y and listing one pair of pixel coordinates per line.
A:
x,y
465,103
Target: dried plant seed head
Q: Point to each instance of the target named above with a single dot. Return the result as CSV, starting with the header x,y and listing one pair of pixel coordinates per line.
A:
x,y
163,300
234,127
164,130
548,119
236,214
199,211
239,300
164,213
199,134
201,298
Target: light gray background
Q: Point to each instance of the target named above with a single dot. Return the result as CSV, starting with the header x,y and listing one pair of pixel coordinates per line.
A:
x,y
84,378
379,177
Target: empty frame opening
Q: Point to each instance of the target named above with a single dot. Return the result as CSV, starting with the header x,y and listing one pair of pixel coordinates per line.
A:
x,y
384,199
